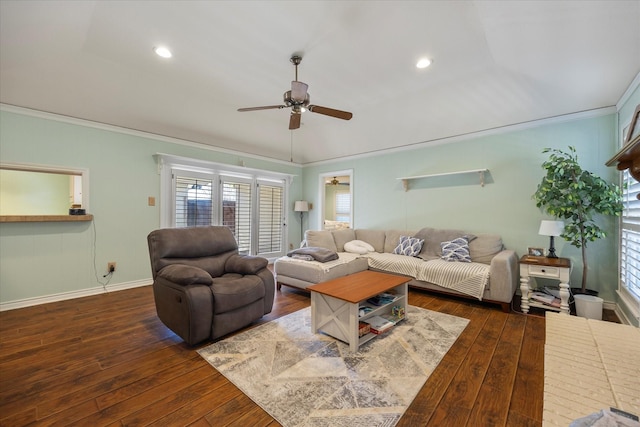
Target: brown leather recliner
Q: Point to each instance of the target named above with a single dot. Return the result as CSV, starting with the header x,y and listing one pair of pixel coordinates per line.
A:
x,y
203,288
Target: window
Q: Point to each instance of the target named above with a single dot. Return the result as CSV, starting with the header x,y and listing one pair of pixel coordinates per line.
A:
x,y
630,236
629,289
270,219
343,206
250,202
193,201
236,210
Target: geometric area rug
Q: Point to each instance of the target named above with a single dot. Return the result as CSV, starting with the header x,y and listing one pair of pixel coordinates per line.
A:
x,y
312,380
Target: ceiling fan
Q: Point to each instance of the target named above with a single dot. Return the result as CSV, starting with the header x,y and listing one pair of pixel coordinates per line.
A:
x,y
298,99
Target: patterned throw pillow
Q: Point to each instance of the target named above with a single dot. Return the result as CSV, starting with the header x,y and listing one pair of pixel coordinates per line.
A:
x,y
456,250
409,246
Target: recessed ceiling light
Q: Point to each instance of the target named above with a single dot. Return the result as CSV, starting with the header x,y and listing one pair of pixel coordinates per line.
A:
x,y
162,51
423,63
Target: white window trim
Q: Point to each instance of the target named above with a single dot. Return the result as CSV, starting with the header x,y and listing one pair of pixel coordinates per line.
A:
x,y
629,301
167,162
631,304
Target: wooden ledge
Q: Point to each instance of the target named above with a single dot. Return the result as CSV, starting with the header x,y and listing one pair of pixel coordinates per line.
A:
x,y
45,218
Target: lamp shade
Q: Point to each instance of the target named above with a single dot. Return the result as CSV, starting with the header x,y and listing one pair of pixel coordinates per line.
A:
x,y
551,228
301,206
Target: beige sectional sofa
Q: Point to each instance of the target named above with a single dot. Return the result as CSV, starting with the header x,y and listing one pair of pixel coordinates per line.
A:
x,y
491,276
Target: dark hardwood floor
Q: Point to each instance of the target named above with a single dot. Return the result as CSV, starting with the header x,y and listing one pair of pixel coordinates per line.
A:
x,y
108,360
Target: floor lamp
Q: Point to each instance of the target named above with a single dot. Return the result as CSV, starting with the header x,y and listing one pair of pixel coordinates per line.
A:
x,y
302,207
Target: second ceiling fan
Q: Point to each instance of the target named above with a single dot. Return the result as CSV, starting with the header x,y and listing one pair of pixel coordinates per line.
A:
x,y
298,98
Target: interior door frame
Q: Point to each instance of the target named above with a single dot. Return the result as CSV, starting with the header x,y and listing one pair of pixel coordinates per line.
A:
x,y
321,192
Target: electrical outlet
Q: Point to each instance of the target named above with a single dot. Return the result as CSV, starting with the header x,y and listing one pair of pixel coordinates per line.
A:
x,y
111,266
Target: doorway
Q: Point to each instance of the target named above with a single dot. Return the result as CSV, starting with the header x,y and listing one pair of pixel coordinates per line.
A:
x,y
336,198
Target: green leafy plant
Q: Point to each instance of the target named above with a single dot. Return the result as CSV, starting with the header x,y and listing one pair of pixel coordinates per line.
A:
x,y
574,195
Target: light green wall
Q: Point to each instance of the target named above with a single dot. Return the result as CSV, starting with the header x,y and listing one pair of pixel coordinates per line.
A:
x,y
40,259
503,206
34,193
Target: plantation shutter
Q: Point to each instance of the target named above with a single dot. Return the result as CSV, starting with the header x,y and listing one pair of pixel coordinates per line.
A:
x,y
250,203
193,199
270,218
236,210
630,235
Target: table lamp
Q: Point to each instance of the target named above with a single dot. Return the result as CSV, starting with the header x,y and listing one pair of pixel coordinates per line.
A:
x,y
551,229
301,206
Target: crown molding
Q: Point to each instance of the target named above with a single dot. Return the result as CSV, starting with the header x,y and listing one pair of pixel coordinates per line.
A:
x,y
627,93
598,112
429,143
133,132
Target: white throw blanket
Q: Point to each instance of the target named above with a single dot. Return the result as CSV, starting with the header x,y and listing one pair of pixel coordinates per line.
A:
x,y
469,278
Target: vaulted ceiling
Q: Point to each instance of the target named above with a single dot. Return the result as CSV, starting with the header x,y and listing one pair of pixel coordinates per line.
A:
x,y
495,63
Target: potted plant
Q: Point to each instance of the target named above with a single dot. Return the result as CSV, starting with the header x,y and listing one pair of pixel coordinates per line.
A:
x,y
574,195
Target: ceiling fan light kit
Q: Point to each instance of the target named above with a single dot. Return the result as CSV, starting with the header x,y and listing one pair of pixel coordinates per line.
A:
x,y
298,100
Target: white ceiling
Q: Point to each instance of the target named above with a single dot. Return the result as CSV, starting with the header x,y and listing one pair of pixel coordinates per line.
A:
x,y
496,63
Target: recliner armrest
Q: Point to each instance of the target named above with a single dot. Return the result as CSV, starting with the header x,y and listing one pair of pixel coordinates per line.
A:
x,y
185,275
245,264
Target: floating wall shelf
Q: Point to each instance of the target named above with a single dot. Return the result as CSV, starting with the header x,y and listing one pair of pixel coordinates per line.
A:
x,y
45,218
480,172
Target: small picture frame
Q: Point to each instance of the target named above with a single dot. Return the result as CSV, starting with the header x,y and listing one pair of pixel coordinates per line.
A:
x,y
536,251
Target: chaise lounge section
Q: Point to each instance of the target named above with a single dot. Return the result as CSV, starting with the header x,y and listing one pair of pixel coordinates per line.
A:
x,y
492,275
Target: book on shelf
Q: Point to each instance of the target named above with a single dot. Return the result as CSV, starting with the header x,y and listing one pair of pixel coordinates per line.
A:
x,y
546,299
363,329
379,324
382,299
392,318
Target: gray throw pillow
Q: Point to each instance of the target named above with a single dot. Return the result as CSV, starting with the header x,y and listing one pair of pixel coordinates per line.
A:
x,y
409,246
456,250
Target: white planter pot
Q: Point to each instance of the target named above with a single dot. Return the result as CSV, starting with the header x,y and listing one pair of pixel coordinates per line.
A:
x,y
588,306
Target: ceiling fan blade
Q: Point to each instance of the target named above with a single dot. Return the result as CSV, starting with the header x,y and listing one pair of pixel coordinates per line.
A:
x,y
266,107
344,115
298,91
294,121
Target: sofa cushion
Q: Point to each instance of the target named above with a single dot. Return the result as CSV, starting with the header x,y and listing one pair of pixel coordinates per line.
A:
x,y
374,237
340,237
409,246
294,272
358,247
485,247
321,239
433,238
456,250
233,291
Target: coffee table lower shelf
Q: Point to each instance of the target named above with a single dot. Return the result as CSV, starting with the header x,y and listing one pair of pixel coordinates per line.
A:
x,y
340,318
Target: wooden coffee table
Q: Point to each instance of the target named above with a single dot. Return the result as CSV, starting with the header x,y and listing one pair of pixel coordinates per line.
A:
x,y
335,304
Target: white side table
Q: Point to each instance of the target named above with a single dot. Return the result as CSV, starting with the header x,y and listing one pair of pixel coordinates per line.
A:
x,y
548,268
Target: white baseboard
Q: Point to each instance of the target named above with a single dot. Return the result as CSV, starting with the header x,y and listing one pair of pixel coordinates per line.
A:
x,y
28,302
